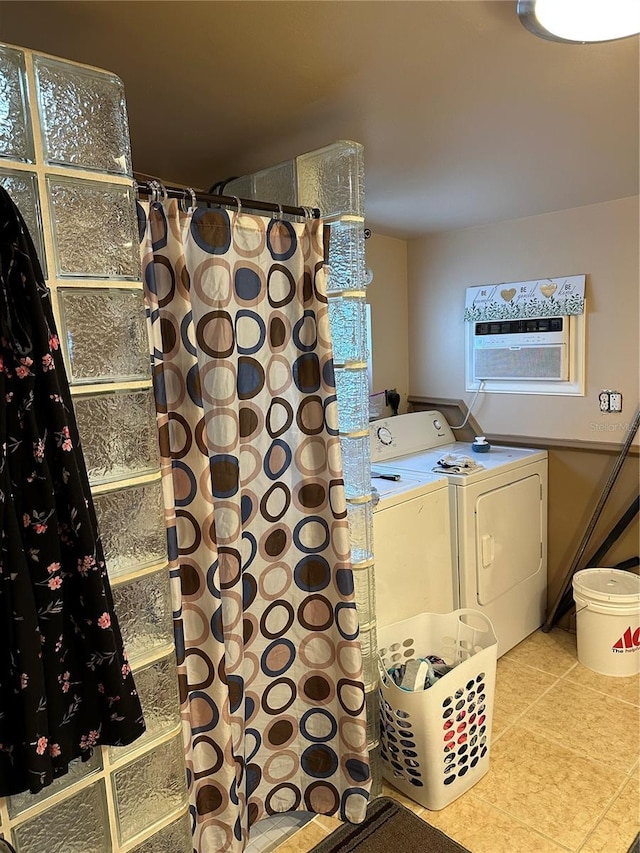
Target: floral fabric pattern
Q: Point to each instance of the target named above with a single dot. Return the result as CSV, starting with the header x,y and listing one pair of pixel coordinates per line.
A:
x,y
65,683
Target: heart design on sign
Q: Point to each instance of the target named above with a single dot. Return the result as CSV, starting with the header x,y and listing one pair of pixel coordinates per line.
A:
x,y
508,294
549,289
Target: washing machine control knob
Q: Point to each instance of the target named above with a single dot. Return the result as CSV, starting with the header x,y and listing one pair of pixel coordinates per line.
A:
x,y
384,436
437,424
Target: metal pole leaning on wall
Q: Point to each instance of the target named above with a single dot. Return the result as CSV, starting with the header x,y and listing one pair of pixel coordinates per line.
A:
x,y
616,532
613,476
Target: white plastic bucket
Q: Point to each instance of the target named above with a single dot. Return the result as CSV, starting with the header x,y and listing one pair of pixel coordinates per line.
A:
x,y
608,620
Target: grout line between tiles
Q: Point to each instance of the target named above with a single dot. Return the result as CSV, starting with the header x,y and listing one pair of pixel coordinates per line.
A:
x,y
588,837
512,817
539,669
544,693
602,693
624,780
541,697
519,820
604,814
542,733
578,752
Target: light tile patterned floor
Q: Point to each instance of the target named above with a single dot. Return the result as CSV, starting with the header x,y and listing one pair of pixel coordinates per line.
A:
x,y
268,834
565,768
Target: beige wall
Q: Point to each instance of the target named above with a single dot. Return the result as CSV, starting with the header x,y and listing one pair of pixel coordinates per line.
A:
x,y
387,295
599,240
576,480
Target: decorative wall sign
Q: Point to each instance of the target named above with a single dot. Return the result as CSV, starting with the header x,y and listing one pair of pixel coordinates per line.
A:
x,y
544,297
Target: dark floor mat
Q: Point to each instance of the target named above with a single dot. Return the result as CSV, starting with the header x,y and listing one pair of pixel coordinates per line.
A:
x,y
389,828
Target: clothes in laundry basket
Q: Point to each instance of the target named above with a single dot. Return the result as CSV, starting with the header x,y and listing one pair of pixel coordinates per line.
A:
x,y
420,673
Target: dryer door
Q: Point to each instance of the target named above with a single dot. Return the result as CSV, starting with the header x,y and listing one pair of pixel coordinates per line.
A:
x,y
508,537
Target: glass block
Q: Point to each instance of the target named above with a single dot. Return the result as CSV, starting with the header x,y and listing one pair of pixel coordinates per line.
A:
x,y
241,187
144,611
352,388
83,117
23,189
369,656
375,766
360,518
175,838
105,334
77,825
157,686
150,788
356,465
277,184
347,266
16,140
332,179
118,434
131,524
348,321
78,769
365,594
372,708
94,229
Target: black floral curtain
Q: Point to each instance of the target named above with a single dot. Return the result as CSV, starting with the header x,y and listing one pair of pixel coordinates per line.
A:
x,y
65,683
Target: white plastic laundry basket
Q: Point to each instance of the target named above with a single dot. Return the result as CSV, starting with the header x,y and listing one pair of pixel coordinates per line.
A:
x,y
436,742
608,620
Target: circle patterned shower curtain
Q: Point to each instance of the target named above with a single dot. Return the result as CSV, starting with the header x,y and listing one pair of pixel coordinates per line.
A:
x,y
269,660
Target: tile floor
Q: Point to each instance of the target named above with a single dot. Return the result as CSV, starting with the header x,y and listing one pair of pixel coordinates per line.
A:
x,y
268,834
565,769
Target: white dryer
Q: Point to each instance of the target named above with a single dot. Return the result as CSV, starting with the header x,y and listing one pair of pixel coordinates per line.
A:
x,y
498,519
412,546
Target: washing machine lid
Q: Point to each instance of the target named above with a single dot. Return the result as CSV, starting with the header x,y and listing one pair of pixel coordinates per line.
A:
x,y
410,485
496,461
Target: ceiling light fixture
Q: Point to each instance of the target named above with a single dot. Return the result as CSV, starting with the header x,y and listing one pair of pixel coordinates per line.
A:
x,y
580,21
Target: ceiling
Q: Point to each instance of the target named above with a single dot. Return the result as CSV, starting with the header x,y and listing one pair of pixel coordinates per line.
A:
x,y
466,118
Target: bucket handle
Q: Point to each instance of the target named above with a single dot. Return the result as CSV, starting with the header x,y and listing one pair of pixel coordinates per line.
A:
x,y
584,607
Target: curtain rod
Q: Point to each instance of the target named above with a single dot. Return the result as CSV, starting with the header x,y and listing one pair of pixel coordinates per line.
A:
x,y
155,188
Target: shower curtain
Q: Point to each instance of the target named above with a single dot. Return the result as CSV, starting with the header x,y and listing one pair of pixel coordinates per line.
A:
x,y
269,660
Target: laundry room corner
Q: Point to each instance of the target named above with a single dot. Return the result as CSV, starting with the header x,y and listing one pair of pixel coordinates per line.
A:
x,y
599,240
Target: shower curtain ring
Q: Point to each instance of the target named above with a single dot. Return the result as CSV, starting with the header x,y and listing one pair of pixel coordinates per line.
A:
x,y
308,212
163,190
238,204
136,189
184,207
279,216
154,196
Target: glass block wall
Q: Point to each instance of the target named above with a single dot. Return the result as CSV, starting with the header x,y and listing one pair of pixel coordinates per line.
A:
x,y
332,179
65,160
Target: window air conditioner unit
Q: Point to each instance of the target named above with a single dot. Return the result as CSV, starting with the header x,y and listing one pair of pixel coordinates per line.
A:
x,y
535,348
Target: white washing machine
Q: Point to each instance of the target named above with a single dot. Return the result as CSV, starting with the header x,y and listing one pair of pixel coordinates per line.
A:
x,y
498,519
412,546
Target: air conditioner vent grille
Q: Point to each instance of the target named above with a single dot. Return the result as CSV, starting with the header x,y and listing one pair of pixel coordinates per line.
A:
x,y
531,362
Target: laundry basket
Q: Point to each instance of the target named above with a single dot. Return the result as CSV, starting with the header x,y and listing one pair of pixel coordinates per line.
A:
x,y
435,743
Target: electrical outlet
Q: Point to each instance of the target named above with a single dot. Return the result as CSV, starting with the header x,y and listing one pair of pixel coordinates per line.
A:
x,y
615,401
610,401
